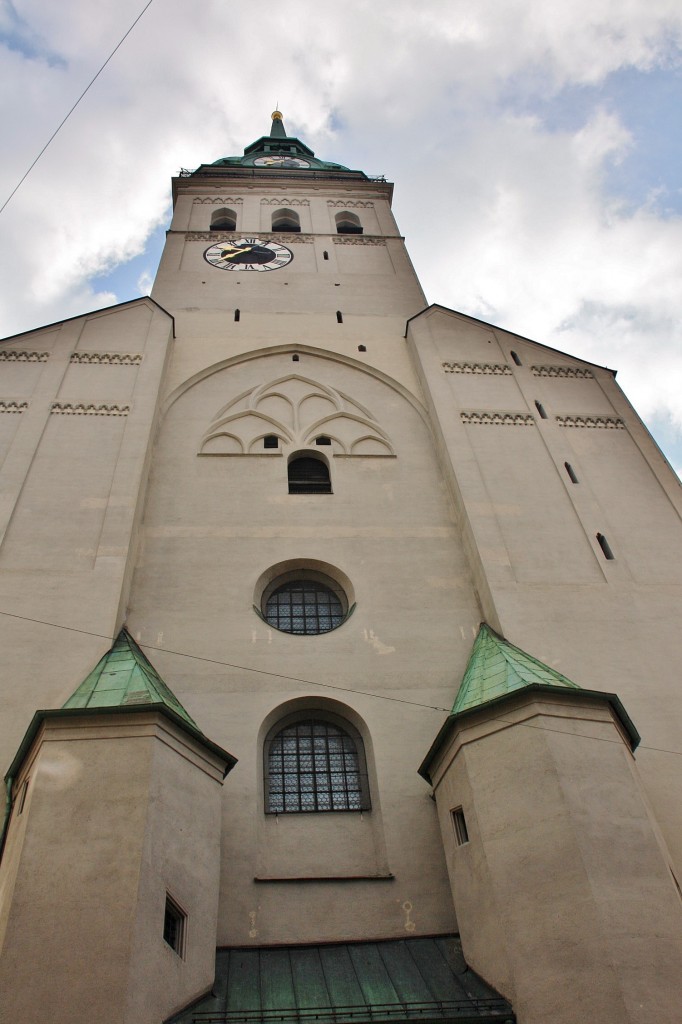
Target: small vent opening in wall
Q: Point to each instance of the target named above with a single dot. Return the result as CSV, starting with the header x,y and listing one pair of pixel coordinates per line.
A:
x,y
515,358
571,473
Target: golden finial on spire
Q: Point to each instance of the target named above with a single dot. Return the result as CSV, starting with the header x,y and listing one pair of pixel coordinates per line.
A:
x,y
277,115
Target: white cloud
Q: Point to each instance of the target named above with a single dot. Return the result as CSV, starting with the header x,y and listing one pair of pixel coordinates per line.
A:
x,y
507,215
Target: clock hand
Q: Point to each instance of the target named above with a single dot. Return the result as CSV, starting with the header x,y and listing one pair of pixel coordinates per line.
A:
x,y
227,254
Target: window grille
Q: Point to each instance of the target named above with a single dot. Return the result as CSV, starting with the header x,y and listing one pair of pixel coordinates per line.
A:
x,y
309,476
315,765
305,607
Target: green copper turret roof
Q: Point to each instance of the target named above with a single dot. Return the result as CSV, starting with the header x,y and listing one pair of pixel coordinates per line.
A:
x,y
279,152
497,668
124,676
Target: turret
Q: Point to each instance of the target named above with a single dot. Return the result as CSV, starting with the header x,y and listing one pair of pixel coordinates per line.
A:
x,y
111,861
564,897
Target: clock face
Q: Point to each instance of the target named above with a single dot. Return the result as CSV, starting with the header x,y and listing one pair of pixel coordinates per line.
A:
x,y
280,161
248,254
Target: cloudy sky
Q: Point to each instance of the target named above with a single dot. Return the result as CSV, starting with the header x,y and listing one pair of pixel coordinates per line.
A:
x,y
536,149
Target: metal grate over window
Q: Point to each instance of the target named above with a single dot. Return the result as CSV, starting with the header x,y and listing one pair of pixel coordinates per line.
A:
x,y
305,607
314,766
309,476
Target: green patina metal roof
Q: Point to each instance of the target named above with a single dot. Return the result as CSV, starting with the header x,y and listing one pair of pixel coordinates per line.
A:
x,y
124,676
423,979
497,668
281,146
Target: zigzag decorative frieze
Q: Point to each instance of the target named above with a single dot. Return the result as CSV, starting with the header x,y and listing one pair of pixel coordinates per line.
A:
x,y
498,369
84,409
284,201
358,240
13,406
562,371
498,419
350,204
592,422
220,236
217,200
23,357
107,358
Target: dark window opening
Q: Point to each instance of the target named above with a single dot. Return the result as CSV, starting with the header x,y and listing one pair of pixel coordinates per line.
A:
x,y
571,473
605,546
362,348
315,765
339,316
322,439
460,826
541,409
325,255
271,441
348,223
295,357
237,315
515,358
224,220
286,220
309,475
174,926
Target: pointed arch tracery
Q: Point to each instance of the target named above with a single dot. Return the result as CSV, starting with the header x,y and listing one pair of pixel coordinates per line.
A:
x,y
296,410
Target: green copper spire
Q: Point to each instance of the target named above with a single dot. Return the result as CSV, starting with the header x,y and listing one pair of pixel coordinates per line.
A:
x,y
497,668
277,129
124,676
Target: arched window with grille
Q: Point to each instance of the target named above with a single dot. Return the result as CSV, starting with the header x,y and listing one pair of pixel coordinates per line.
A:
x,y
308,475
315,762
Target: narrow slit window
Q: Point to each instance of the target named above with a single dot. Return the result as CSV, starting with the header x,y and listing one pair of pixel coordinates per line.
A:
x,y
515,358
271,441
174,920
606,547
541,409
237,315
571,473
339,316
460,826
325,255
22,796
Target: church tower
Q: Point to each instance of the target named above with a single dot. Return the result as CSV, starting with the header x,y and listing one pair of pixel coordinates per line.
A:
x,y
299,491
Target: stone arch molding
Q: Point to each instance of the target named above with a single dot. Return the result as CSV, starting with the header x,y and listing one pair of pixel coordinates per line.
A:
x,y
296,410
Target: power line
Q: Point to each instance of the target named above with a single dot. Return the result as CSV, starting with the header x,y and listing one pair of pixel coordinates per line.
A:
x,y
63,122
327,686
229,664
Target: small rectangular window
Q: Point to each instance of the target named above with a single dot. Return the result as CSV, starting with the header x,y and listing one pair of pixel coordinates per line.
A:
x,y
339,316
571,473
271,441
541,409
460,826
174,920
